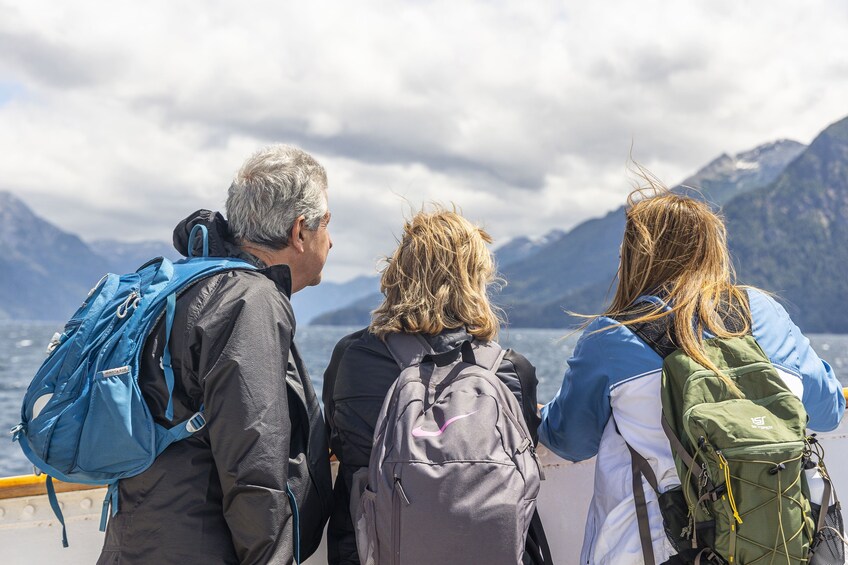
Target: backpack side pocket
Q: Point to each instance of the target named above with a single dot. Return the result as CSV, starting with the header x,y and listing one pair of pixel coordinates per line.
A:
x,y
675,515
827,547
117,416
366,529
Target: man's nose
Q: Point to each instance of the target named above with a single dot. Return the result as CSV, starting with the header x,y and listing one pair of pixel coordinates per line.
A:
x,y
331,241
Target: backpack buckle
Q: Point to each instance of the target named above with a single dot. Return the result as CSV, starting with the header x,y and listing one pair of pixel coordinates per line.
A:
x,y
16,431
196,422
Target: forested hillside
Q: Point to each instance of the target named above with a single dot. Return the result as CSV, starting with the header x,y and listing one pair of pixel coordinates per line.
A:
x,y
792,236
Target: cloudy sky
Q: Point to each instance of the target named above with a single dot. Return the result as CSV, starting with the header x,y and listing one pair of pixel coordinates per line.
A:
x,y
118,118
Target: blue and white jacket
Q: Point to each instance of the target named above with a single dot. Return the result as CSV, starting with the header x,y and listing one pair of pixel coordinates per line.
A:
x,y
613,377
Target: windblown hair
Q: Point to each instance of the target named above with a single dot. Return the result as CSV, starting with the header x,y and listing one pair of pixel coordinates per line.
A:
x,y
675,247
438,278
274,187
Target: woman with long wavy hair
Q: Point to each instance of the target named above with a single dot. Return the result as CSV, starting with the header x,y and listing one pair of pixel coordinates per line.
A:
x,y
675,273
435,285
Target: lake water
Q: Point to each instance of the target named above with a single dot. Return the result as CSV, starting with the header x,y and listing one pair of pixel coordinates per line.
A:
x,y
22,347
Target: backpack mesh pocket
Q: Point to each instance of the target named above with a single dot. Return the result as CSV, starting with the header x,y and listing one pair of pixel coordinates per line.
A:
x,y
675,515
827,547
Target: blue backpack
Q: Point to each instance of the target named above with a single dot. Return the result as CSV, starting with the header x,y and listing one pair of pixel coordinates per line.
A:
x,y
83,418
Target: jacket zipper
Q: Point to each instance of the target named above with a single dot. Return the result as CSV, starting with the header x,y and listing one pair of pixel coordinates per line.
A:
x,y
301,397
295,524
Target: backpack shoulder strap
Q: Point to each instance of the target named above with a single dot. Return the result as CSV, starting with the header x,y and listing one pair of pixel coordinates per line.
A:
x,y
537,542
407,349
657,334
487,354
639,468
410,349
734,323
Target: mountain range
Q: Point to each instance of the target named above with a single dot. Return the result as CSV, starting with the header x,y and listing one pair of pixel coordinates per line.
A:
x,y
791,237
785,204
574,271
46,272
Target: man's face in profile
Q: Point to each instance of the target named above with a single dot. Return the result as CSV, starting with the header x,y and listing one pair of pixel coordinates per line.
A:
x,y
317,244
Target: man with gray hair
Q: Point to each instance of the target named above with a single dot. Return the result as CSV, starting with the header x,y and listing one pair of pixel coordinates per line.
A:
x,y
253,486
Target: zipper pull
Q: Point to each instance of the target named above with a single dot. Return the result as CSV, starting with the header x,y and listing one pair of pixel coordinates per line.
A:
x,y
527,444
723,465
399,488
130,303
55,342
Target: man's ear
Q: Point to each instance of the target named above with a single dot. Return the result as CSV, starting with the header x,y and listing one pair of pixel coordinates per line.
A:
x,y
296,235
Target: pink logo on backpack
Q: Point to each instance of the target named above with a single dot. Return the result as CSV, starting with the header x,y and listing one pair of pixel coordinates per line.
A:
x,y
418,432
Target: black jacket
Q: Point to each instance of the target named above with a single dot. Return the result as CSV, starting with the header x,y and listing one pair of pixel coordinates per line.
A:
x,y
221,496
356,382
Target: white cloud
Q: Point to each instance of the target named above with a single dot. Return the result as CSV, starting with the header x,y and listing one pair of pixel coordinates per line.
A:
x,y
116,119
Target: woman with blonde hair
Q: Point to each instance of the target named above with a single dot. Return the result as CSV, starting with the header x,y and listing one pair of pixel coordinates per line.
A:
x,y
676,288
435,286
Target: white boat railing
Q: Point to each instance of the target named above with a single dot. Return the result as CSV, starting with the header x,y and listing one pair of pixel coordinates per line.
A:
x,y
31,535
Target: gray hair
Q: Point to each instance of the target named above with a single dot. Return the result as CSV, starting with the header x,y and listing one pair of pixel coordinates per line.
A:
x,y
275,186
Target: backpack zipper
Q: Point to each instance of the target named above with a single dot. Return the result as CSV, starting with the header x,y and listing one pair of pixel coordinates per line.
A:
x,y
399,486
734,372
398,494
526,442
794,445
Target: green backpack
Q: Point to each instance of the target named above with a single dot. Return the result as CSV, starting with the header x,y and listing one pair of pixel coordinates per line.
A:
x,y
743,496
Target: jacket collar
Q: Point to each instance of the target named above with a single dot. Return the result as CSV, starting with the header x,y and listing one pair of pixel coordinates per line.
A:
x,y
281,275
222,244
448,339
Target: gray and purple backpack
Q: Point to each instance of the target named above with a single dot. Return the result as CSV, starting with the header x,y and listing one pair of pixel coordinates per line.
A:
x,y
453,475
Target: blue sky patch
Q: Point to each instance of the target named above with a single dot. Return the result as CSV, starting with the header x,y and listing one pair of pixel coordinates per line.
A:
x,y
9,91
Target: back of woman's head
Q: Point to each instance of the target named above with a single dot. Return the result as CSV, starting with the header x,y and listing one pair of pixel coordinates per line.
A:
x,y
675,247
437,279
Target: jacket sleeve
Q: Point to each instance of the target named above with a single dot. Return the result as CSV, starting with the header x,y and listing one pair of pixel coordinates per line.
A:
x,y
363,375
242,342
341,536
790,350
573,422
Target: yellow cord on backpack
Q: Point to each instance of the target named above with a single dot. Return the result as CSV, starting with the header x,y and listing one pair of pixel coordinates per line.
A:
x,y
723,465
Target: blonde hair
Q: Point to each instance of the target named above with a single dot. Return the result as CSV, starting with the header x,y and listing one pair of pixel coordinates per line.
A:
x,y
438,278
675,247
